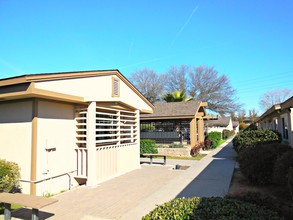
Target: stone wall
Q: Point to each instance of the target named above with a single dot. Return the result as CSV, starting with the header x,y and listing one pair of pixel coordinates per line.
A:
x,y
183,152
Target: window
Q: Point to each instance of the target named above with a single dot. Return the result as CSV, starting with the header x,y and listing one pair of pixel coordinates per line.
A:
x,y
115,87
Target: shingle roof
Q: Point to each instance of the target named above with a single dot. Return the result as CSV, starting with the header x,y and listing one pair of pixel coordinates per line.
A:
x,y
222,121
174,109
235,123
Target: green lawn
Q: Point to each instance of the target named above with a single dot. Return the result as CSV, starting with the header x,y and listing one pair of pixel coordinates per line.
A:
x,y
198,157
13,207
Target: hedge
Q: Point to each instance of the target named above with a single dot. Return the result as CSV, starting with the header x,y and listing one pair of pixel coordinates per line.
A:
x,y
290,181
248,138
148,146
211,208
281,168
9,176
257,163
227,133
215,138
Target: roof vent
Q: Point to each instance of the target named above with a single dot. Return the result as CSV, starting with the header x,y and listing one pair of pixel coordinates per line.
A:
x,y
115,87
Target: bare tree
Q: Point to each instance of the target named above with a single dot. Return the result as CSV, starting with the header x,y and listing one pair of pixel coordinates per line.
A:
x,y
274,97
240,115
176,78
206,85
252,115
149,83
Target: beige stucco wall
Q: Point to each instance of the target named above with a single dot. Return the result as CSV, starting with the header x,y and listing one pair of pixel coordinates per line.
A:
x,y
116,160
16,133
56,153
97,88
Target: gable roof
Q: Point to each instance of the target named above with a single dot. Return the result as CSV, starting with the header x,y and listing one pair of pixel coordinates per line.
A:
x,y
235,123
221,121
23,86
174,110
278,107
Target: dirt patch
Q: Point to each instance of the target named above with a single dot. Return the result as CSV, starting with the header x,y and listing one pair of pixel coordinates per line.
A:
x,y
240,184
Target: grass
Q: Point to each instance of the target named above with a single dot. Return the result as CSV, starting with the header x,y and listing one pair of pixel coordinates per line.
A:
x,y
197,157
222,141
13,207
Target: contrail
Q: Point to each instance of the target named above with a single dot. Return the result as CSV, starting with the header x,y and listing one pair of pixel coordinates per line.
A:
x,y
145,61
184,25
16,70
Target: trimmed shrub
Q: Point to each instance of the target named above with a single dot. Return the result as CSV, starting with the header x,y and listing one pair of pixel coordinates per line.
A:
x,y
242,126
209,208
257,163
281,168
226,134
215,138
196,149
250,138
257,198
290,181
207,144
9,176
148,146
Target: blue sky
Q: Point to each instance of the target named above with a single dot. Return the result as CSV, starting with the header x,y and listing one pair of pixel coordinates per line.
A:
x,y
249,41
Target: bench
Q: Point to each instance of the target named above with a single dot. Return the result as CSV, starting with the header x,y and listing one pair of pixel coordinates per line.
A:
x,y
156,155
30,201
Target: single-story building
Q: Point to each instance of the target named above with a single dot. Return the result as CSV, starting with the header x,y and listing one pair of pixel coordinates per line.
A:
x,y
219,124
65,129
174,122
279,118
236,126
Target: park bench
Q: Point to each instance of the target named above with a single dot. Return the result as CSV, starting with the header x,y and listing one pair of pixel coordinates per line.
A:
x,y
156,155
29,201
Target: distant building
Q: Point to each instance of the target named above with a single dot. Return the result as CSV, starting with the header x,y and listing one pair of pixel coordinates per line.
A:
x,y
219,124
279,118
174,122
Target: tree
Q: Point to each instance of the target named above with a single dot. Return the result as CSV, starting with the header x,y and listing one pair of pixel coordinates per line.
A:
x,y
252,115
206,85
176,78
176,96
149,83
274,97
240,115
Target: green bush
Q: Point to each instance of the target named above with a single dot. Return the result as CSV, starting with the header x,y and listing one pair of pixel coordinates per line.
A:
x,y
9,176
250,138
215,138
257,198
281,168
148,146
227,133
290,181
211,208
257,163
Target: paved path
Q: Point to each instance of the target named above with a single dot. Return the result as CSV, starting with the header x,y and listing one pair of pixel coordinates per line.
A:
x,y
134,194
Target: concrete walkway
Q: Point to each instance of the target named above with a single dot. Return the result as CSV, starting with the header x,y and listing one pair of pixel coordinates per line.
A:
x,y
134,194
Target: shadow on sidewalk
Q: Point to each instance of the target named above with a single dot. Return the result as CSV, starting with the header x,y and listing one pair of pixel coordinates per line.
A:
x,y
215,179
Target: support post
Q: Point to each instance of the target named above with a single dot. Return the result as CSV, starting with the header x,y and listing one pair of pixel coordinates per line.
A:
x,y
91,145
7,211
35,214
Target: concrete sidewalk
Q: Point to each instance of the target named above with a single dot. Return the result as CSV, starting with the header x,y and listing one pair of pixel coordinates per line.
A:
x,y
134,194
